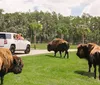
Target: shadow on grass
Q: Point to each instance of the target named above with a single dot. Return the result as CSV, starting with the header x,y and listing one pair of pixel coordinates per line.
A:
x,y
89,74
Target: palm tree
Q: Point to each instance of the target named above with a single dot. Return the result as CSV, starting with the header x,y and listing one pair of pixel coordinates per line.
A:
x,y
83,30
35,28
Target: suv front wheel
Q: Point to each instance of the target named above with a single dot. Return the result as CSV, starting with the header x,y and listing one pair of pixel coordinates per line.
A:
x,y
12,49
27,49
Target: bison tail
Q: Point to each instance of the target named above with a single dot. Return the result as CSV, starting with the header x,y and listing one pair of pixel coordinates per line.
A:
x,y
68,46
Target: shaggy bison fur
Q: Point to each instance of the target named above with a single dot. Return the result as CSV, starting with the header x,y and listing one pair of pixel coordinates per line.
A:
x,y
9,63
90,52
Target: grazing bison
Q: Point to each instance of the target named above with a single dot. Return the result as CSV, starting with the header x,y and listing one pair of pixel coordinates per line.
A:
x,y
91,52
58,45
9,63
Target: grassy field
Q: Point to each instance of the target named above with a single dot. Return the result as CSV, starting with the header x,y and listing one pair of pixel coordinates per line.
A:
x,y
46,69
44,46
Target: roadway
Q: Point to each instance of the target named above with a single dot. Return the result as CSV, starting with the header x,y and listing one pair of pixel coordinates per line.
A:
x,y
37,51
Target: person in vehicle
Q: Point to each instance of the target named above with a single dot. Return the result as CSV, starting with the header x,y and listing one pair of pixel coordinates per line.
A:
x,y
18,37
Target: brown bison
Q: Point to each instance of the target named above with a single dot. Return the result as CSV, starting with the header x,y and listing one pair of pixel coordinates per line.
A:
x,y
91,52
9,63
58,45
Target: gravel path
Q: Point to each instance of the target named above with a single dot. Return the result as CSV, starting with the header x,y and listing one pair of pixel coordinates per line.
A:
x,y
37,51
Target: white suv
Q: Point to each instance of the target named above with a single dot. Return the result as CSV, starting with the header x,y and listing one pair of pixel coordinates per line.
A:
x,y
7,40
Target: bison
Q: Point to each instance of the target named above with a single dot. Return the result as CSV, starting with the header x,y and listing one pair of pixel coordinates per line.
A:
x,y
83,51
95,59
58,45
91,52
9,63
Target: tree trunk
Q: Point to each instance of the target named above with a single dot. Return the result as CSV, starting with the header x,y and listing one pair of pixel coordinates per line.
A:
x,y
34,39
62,36
83,38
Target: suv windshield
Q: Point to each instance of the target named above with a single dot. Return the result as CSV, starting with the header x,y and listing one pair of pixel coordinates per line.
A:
x,y
5,36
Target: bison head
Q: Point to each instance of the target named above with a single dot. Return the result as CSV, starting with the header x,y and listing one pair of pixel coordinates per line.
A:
x,y
17,65
82,51
50,46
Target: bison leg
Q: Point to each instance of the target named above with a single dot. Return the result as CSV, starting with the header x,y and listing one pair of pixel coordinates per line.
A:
x,y
94,71
60,53
66,52
2,80
90,65
99,71
55,53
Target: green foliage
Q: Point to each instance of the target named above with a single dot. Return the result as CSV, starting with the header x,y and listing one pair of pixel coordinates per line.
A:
x,y
75,29
35,26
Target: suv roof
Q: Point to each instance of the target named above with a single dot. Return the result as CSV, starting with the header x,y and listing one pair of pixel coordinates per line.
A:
x,y
7,33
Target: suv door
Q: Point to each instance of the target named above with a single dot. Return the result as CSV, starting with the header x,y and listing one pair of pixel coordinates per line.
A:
x,y
17,42
22,44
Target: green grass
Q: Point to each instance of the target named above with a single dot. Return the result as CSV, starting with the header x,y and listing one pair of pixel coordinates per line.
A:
x,y
46,69
73,46
44,46
40,46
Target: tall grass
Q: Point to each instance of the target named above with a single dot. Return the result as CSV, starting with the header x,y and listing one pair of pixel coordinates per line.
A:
x,y
46,69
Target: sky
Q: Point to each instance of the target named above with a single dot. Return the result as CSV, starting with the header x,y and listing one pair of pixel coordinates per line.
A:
x,y
64,7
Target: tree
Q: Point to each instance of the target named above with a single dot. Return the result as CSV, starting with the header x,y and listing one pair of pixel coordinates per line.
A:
x,y
1,20
83,27
62,26
35,28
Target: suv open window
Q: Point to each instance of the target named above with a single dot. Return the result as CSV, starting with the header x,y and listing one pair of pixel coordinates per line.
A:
x,y
18,37
5,36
